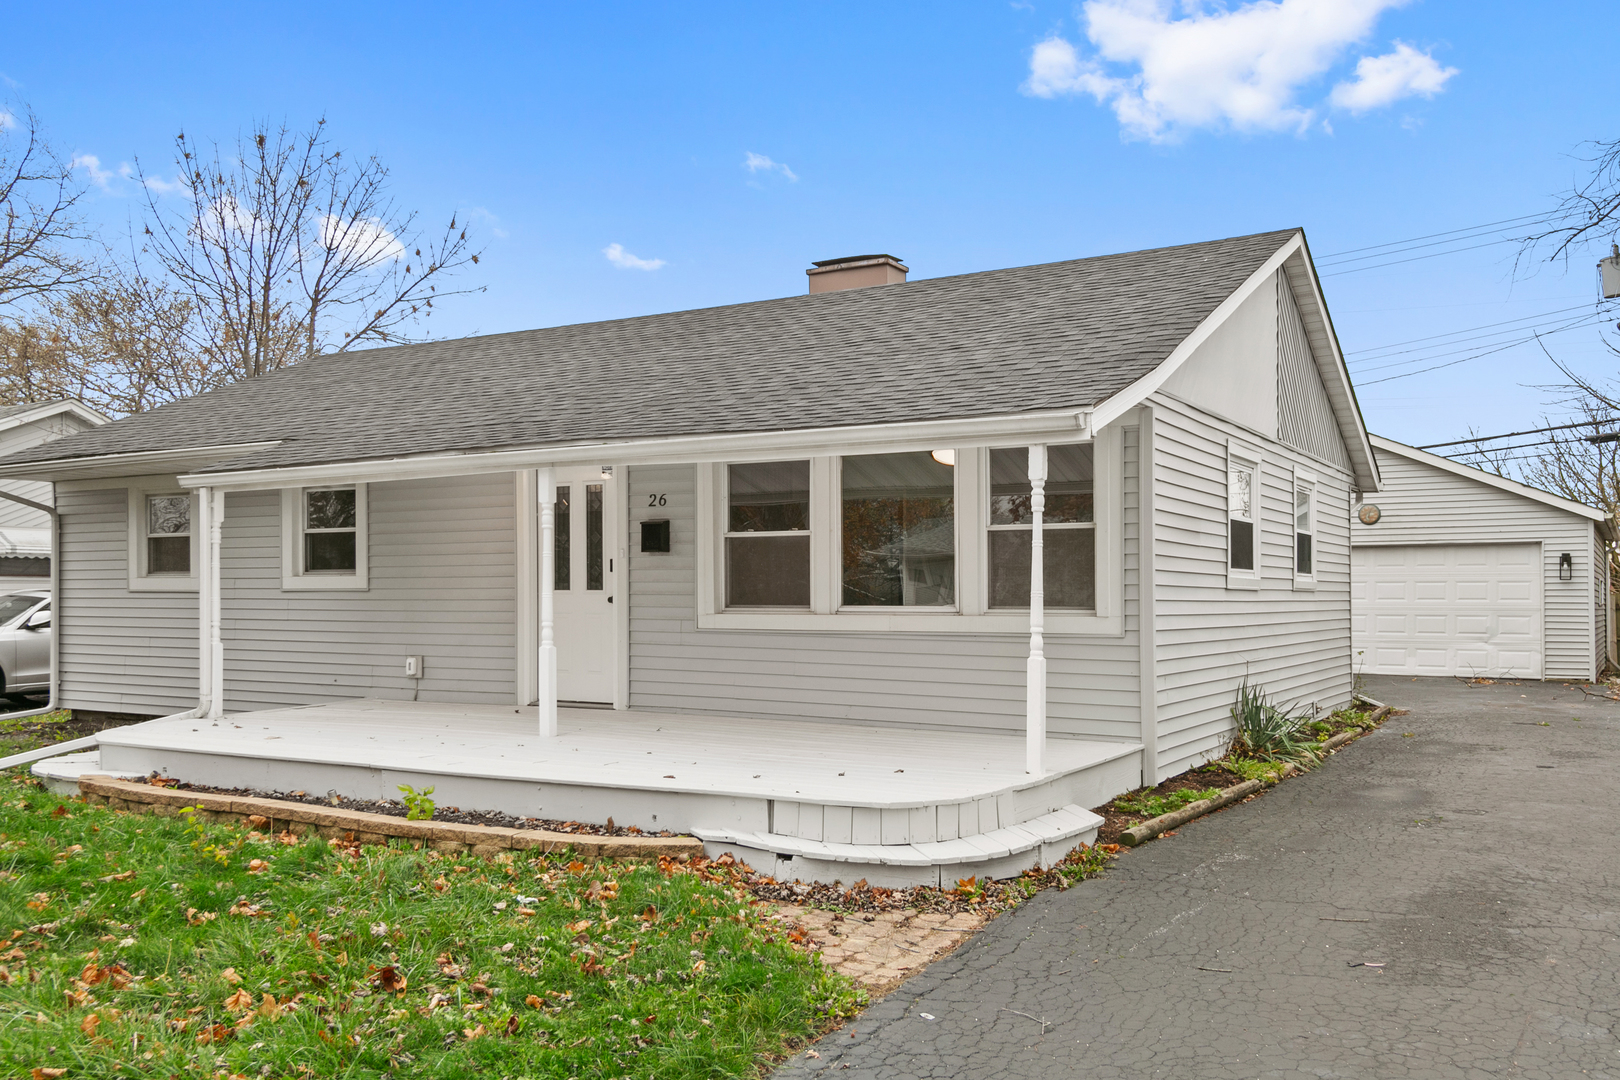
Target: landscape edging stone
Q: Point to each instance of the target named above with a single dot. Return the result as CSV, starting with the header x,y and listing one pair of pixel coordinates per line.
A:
x,y
363,827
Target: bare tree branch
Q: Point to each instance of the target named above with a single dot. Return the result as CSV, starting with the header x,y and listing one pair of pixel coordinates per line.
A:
x,y
285,248
40,229
1589,212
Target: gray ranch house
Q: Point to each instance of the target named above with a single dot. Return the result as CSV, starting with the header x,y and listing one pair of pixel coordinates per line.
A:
x,y
891,580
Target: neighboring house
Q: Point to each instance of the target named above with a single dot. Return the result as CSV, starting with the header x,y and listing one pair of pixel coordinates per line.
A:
x,y
1460,572
790,542
25,532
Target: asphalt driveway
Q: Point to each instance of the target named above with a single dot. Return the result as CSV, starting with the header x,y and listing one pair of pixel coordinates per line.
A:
x,y
1477,861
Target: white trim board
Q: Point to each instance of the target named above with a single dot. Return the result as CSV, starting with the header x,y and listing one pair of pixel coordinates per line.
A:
x,y
1501,483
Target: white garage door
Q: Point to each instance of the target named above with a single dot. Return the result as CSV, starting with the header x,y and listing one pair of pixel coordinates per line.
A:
x,y
1447,609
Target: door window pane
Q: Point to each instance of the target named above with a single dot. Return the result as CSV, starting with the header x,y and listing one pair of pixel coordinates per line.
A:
x,y
168,534
899,531
1069,567
767,534
593,536
562,570
1068,485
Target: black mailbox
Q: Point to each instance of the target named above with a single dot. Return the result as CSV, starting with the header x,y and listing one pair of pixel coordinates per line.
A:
x,y
655,535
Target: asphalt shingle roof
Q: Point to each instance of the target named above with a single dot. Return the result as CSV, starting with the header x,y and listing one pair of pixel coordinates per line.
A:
x,y
1059,335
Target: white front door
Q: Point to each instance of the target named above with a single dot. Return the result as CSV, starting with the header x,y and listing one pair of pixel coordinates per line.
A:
x,y
583,586
1447,609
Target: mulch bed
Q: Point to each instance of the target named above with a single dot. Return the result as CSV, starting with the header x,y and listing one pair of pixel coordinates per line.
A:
x,y
440,813
1213,775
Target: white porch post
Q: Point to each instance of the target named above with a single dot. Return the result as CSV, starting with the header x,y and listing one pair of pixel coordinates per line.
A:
x,y
547,672
202,503
210,505
1035,691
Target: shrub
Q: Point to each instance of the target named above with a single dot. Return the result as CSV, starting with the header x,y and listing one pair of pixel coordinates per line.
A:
x,y
418,806
1267,732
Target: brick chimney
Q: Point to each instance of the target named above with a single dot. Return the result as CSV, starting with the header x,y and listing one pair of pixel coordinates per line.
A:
x,y
855,272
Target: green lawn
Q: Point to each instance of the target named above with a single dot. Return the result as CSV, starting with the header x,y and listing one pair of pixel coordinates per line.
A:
x,y
144,946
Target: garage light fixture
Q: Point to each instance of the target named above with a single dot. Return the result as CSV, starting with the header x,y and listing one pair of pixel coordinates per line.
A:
x,y
1566,567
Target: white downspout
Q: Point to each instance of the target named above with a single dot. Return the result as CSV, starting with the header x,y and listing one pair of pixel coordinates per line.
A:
x,y
1035,689
1147,601
547,669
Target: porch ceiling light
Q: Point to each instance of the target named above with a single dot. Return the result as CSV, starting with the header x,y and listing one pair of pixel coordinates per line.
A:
x,y
945,457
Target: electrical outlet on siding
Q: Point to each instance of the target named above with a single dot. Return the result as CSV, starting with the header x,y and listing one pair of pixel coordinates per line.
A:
x,y
413,667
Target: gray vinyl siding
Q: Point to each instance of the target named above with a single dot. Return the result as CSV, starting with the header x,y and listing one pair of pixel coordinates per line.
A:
x,y
119,651
1600,605
1295,643
1421,504
442,585
1305,418
939,679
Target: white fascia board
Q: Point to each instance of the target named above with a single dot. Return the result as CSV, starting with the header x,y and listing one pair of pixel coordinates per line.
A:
x,y
137,463
55,408
1139,391
1502,483
1068,425
1340,389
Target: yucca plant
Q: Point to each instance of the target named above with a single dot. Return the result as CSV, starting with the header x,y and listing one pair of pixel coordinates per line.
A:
x,y
1267,732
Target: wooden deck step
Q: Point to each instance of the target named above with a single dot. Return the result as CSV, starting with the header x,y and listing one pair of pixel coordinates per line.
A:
x,y
1040,840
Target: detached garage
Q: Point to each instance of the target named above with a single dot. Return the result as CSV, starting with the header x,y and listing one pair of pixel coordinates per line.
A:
x,y
1455,571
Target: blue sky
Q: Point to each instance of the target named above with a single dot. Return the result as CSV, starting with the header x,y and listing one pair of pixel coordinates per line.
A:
x,y
917,129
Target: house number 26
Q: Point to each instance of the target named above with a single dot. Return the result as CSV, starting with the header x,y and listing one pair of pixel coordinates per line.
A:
x,y
657,500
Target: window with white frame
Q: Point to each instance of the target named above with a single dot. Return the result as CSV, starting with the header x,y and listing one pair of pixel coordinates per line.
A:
x,y
877,541
324,537
163,536
898,514
1242,512
1068,528
767,534
330,527
1304,526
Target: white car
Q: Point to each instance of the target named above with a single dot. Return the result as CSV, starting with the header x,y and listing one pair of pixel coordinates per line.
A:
x,y
25,644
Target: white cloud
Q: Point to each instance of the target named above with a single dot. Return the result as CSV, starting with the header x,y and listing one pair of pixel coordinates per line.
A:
x,y
91,164
363,239
1383,80
1165,70
756,162
167,187
7,120
625,261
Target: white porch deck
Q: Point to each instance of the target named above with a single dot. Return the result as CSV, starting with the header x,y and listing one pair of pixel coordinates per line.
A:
x,y
803,800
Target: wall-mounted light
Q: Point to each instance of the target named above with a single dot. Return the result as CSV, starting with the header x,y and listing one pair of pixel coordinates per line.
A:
x,y
1566,567
607,472
945,457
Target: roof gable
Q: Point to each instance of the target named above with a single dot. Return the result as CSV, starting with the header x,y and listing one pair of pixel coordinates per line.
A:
x,y
1480,476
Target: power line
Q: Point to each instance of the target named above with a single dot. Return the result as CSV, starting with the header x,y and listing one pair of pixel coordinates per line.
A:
x,y
1466,330
1484,352
1516,434
1417,258
1449,232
